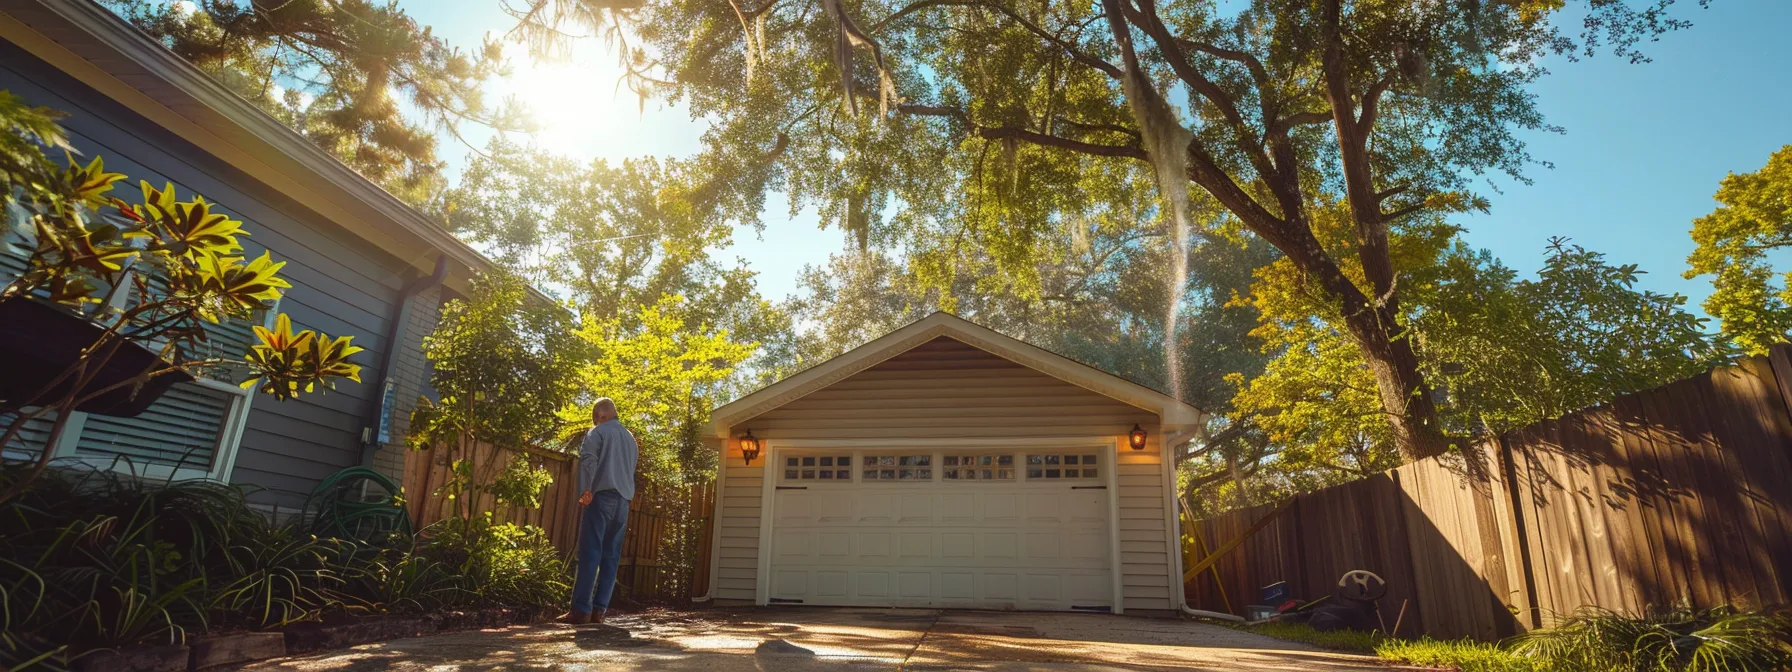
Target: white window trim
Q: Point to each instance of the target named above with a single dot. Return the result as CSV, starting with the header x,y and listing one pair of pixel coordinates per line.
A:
x,y
230,431
1106,446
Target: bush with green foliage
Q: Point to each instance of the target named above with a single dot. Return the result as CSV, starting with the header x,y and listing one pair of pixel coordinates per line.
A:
x,y
96,558
497,564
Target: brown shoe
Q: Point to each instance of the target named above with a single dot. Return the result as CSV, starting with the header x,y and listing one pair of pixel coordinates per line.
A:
x,y
575,618
596,618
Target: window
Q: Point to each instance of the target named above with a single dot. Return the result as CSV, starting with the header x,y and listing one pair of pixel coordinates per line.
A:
x,y
192,431
1062,466
898,468
977,467
818,468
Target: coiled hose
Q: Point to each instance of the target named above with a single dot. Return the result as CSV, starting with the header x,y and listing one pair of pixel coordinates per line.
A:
x,y
358,504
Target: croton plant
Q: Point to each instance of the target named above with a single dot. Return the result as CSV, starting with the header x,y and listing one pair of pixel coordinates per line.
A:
x,y
147,274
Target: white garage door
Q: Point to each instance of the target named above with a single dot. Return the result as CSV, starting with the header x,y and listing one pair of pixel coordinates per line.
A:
x,y
992,529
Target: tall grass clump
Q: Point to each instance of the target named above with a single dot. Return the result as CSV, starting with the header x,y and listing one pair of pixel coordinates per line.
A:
x,y
98,558
1681,640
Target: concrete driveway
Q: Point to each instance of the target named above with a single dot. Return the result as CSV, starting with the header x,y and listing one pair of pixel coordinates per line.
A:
x,y
850,639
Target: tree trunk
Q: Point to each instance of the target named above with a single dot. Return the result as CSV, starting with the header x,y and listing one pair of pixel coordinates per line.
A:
x,y
1404,395
1375,326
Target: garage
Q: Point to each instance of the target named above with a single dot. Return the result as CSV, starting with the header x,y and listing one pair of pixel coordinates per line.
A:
x,y
945,465
990,528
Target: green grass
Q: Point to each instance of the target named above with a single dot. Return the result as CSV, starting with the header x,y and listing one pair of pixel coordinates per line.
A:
x,y
1338,640
1592,640
1465,655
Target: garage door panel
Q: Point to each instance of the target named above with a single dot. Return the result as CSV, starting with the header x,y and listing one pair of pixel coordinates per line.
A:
x,y
1042,507
958,545
958,507
831,585
917,508
1038,587
1000,546
1043,545
1000,507
958,586
835,509
790,584
914,585
917,545
794,509
874,509
872,585
833,545
1000,586
874,546
1085,507
792,545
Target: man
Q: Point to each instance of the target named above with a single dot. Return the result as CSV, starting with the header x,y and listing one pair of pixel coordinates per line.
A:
x,y
606,483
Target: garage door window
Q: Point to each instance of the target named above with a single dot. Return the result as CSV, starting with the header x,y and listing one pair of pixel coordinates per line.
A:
x,y
818,468
977,467
1062,466
898,468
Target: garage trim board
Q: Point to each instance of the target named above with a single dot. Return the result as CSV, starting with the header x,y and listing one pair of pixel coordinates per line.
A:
x,y
966,587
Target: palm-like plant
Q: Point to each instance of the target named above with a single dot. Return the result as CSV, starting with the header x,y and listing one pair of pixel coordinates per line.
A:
x,y
1682,640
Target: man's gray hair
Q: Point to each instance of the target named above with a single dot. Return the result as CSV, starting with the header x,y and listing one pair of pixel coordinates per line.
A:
x,y
606,405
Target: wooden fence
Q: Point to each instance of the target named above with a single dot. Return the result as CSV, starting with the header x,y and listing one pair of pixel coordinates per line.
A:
x,y
1679,495
665,554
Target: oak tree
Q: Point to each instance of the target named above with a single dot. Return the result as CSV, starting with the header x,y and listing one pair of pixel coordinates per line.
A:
x,y
914,113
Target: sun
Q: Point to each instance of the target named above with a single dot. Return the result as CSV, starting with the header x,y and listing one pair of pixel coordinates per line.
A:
x,y
574,102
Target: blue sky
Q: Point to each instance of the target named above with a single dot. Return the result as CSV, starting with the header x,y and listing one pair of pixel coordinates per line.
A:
x,y
1644,149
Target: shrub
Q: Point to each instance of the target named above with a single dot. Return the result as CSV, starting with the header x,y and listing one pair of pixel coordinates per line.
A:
x,y
1681,640
498,564
94,558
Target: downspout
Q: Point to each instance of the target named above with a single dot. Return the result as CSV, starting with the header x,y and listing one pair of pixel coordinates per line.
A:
x,y
395,333
1182,592
1181,588
715,524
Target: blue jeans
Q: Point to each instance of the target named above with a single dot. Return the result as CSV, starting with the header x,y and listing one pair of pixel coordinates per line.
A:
x,y
600,550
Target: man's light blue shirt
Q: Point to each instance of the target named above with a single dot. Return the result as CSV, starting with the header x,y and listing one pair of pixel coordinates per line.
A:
x,y
607,460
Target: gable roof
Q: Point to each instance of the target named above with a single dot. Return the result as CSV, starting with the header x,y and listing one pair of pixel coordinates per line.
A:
x,y
1175,415
91,44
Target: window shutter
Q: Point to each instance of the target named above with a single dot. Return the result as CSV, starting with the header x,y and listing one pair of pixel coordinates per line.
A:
x,y
181,428
31,438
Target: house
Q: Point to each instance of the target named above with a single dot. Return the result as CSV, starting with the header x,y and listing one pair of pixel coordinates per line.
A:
x,y
947,465
361,262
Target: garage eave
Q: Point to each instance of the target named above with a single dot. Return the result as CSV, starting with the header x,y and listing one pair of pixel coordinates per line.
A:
x,y
1174,415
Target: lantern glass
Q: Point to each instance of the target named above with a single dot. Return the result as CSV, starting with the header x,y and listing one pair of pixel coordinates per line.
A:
x,y
749,447
1137,438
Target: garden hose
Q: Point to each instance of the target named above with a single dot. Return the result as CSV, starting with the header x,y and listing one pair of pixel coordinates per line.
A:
x,y
358,504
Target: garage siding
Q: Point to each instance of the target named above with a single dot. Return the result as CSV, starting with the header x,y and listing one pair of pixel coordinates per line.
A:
x,y
946,389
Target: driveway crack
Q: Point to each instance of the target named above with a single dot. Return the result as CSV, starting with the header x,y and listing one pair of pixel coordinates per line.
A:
x,y
918,642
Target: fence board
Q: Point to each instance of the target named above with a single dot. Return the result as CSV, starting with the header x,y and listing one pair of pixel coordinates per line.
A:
x,y
1677,495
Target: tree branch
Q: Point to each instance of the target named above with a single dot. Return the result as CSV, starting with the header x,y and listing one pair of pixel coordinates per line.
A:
x,y
1079,55
1131,151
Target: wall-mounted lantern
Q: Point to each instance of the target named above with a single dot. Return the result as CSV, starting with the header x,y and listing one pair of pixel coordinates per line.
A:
x,y
749,447
1136,437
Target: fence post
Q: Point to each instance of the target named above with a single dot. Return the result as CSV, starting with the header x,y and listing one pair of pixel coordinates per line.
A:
x,y
1515,495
